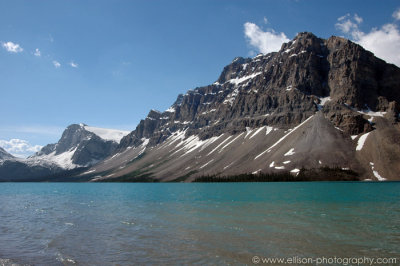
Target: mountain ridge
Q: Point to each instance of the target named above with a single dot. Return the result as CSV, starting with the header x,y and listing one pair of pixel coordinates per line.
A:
x,y
80,146
348,87
307,43
315,103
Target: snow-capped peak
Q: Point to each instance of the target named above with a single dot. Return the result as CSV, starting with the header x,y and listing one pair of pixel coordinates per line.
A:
x,y
107,134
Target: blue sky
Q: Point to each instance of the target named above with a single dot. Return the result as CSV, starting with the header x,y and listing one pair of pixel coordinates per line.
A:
x,y
107,63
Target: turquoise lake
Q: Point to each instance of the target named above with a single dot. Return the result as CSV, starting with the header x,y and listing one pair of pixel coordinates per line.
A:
x,y
177,223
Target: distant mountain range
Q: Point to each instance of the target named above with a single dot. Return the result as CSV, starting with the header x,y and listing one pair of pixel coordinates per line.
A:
x,y
80,146
314,104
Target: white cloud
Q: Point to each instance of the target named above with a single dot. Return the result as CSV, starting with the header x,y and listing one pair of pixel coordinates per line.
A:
x,y
19,147
358,19
37,52
396,14
265,20
12,47
72,64
56,64
384,42
264,41
347,25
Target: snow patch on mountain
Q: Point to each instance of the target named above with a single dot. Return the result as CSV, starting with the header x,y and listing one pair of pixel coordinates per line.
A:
x,y
63,160
323,101
281,139
369,112
376,174
257,131
230,142
295,171
290,152
204,165
170,110
222,143
361,141
237,81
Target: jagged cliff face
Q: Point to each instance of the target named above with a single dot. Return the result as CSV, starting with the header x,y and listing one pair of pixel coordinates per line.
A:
x,y
319,101
283,89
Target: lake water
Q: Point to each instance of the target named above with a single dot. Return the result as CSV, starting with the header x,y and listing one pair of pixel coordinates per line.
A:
x,y
220,223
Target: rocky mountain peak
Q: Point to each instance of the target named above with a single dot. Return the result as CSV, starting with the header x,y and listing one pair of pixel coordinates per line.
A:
x,y
72,136
304,41
154,114
282,89
81,145
231,71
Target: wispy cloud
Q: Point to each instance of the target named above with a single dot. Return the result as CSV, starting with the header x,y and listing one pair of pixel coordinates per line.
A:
x,y
37,52
347,24
72,64
358,19
263,41
19,147
396,14
384,42
12,47
56,64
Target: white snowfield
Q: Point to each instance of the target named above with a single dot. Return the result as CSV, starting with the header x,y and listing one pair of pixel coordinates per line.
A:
x,y
361,141
108,134
64,160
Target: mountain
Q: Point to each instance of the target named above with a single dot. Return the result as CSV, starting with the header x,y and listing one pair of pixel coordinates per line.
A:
x,y
79,146
5,155
324,107
315,103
